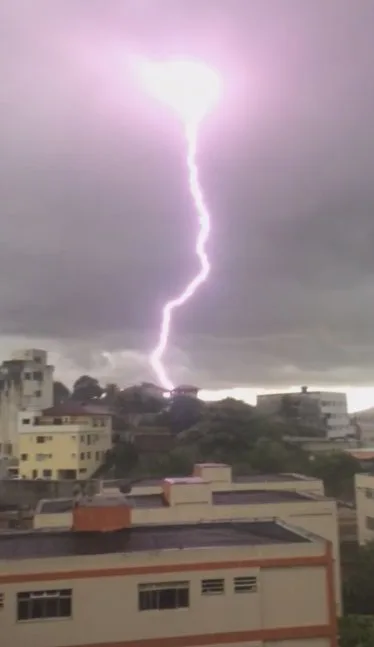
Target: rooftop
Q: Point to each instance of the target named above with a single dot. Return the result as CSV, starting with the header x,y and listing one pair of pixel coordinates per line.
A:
x,y
41,543
237,497
76,409
273,478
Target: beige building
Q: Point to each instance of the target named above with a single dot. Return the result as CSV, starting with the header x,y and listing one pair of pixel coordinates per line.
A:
x,y
364,487
65,442
108,583
26,383
211,496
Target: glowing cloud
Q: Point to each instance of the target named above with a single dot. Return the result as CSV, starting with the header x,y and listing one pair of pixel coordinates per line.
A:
x,y
191,89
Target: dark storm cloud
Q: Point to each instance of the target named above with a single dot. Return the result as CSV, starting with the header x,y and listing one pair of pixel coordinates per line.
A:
x,y
96,223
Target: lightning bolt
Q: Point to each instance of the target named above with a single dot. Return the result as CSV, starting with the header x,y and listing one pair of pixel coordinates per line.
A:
x,y
191,134
191,89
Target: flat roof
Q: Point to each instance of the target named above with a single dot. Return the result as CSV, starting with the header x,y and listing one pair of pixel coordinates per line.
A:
x,y
237,497
271,478
50,543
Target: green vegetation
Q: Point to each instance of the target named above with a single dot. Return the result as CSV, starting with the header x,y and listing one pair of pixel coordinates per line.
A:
x,y
356,631
228,431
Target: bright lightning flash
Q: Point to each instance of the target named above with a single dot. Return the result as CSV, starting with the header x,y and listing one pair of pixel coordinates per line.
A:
x,y
191,89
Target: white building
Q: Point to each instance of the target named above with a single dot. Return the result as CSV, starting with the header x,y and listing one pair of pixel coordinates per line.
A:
x,y
330,407
26,384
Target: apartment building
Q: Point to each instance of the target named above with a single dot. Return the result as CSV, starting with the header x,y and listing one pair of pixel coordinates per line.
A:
x,y
26,383
108,583
197,498
364,490
324,409
65,442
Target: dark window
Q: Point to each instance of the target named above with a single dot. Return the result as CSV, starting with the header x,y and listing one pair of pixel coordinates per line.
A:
x,y
40,439
57,421
38,376
82,456
213,587
88,454
26,421
47,474
1,600
37,360
166,595
88,439
245,584
37,605
35,474
370,523
37,394
24,457
82,470
28,376
97,456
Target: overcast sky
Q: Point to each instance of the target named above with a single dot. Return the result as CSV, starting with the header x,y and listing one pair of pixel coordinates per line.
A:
x,y
97,228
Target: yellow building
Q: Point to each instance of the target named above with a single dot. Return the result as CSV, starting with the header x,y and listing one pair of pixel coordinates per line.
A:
x,y
364,488
212,496
107,583
65,442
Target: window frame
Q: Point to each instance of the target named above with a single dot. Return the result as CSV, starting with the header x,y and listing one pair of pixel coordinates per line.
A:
x,y
32,606
153,596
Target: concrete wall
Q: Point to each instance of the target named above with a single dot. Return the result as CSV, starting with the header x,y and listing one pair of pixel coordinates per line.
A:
x,y
292,601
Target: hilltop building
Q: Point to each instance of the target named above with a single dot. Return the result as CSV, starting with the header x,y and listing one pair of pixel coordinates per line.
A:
x,y
26,384
323,410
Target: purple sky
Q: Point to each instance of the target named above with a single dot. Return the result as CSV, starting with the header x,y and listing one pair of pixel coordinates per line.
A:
x,y
97,225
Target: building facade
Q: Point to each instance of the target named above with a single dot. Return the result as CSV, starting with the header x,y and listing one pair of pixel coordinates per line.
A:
x,y
108,583
209,496
326,410
26,383
364,491
67,442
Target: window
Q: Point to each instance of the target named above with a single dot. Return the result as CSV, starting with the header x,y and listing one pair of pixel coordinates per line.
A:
x,y
37,605
212,587
82,439
370,523
40,439
166,595
24,457
97,456
245,584
35,474
28,376
88,454
82,456
47,474
88,439
38,376
82,470
26,421
2,600
57,421
370,494
37,393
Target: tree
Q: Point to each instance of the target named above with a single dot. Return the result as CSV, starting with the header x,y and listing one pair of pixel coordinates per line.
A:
x,y
337,470
356,631
61,393
183,412
86,388
358,582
